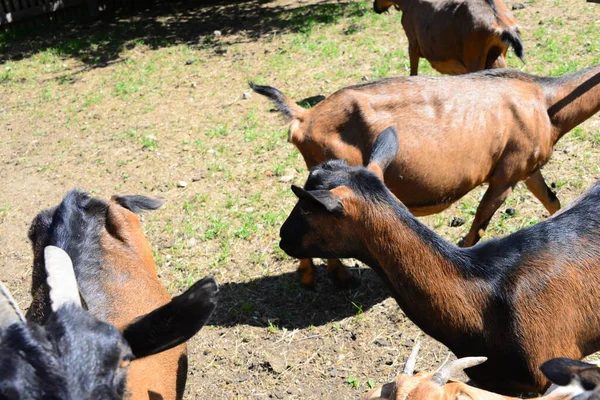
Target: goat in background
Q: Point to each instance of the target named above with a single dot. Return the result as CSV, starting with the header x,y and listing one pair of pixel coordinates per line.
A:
x,y
457,36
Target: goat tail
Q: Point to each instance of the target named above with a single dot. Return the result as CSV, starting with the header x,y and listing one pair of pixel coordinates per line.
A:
x,y
287,106
512,37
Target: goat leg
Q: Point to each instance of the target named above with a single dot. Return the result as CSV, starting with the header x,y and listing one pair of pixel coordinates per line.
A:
x,y
413,55
306,269
492,200
537,185
340,275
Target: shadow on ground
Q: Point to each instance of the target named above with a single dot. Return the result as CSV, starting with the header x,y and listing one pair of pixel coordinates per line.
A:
x,y
281,301
171,23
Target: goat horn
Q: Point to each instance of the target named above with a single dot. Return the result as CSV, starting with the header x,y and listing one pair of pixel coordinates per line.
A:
x,y
454,367
61,278
9,310
409,366
445,361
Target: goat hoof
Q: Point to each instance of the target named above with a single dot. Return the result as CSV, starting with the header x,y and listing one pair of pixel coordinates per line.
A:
x,y
307,282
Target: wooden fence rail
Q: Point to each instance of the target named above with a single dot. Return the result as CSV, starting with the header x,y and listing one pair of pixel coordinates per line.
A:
x,y
14,11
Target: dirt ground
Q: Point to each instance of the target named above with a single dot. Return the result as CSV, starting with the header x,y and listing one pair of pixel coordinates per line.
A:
x,y
137,103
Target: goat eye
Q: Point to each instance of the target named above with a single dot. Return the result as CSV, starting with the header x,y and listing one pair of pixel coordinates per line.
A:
x,y
304,212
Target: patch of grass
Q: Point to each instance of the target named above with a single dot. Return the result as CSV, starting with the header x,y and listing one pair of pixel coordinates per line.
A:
x,y
579,134
305,22
5,210
45,167
70,47
566,68
128,86
220,130
5,75
48,56
249,227
354,382
92,98
217,227
272,328
149,142
358,307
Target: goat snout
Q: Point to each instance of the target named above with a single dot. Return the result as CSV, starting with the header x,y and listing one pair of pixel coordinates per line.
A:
x,y
288,247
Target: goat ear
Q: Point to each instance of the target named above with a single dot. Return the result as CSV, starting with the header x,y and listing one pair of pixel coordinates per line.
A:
x,y
174,323
324,198
563,371
384,151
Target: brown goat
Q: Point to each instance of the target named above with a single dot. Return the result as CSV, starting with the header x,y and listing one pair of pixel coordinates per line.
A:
x,y
496,299
457,36
583,380
496,126
117,278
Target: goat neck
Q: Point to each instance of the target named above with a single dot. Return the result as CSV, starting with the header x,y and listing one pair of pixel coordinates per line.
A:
x,y
572,99
397,246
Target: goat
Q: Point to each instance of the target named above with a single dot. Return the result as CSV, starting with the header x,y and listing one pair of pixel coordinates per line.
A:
x,y
75,355
117,278
578,380
453,139
494,299
457,36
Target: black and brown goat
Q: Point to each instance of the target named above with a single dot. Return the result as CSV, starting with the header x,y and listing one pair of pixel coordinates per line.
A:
x,y
571,380
497,127
496,299
117,279
75,356
457,36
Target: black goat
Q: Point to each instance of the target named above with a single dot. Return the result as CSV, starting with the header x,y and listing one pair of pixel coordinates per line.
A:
x,y
496,299
75,356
